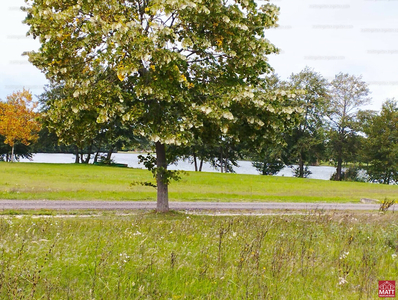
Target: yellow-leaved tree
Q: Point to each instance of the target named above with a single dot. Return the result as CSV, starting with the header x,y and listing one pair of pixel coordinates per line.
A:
x,y
18,120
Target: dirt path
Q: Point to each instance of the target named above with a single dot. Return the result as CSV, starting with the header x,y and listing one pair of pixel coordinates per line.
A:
x,y
134,205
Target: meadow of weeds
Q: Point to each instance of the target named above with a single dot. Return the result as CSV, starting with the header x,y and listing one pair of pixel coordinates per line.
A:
x,y
181,256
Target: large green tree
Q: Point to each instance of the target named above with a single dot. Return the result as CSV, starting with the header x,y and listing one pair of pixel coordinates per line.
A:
x,y
348,94
380,148
165,66
305,145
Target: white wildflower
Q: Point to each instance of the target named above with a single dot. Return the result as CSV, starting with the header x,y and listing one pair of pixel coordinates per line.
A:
x,y
344,255
342,280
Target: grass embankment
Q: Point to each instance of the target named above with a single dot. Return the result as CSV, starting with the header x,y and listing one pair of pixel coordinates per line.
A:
x,y
177,256
88,182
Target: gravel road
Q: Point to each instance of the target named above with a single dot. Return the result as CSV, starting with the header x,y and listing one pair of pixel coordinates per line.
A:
x,y
134,205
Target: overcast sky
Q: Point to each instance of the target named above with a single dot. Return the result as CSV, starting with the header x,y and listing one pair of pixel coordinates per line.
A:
x,y
359,37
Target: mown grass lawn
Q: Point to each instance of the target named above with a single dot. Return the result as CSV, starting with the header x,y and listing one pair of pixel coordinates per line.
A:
x,y
179,256
88,182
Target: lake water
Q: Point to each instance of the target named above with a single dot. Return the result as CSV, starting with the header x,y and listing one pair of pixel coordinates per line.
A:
x,y
245,167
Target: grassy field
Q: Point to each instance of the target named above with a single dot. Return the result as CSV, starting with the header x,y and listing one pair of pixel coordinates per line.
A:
x,y
178,256
88,182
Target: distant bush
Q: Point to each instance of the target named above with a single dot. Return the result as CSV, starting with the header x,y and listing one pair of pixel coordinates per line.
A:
x,y
353,173
306,172
268,167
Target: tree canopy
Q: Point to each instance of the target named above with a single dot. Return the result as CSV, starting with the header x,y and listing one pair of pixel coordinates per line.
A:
x,y
348,94
18,119
381,145
306,142
166,67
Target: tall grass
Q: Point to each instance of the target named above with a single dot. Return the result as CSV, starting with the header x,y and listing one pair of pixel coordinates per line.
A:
x,y
87,182
178,256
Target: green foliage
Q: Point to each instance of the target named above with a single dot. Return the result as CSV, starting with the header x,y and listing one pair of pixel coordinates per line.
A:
x,y
268,161
179,256
145,183
48,142
268,166
305,145
163,69
66,128
386,204
188,62
20,151
348,94
352,173
380,149
149,161
106,161
301,172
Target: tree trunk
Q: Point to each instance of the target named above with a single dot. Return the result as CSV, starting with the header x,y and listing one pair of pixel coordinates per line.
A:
x,y
77,160
226,164
96,156
301,168
195,162
97,152
388,178
161,180
222,162
201,165
340,154
89,154
338,169
109,155
12,154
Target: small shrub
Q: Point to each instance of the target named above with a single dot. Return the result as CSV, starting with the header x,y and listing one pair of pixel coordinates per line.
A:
x,y
104,160
306,172
351,174
386,204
